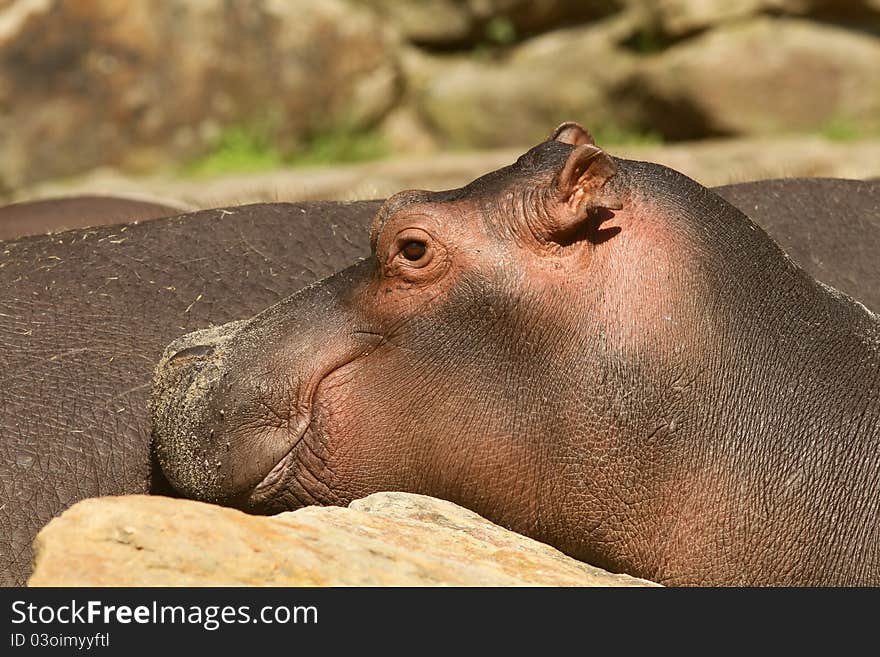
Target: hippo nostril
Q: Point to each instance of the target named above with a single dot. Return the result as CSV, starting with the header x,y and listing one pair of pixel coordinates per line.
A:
x,y
196,352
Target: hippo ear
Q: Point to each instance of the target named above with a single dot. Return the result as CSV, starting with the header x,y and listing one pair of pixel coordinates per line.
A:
x,y
581,185
572,133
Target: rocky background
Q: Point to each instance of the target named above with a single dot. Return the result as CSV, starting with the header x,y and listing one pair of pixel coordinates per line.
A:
x,y
185,90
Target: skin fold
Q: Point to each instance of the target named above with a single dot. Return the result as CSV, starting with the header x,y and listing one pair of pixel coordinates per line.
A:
x,y
598,353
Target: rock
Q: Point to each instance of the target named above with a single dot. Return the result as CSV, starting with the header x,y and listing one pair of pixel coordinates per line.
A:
x,y
510,102
676,19
429,22
405,133
456,24
100,82
386,539
529,17
763,76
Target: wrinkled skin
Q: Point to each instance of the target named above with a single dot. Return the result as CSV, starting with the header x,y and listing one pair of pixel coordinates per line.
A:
x,y
598,353
60,214
78,353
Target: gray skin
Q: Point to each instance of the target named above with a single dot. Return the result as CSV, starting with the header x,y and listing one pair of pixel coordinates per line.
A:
x,y
85,315
598,353
59,214
830,227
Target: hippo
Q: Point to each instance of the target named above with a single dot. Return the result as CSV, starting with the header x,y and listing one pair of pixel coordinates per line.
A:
x,y
85,315
59,214
598,353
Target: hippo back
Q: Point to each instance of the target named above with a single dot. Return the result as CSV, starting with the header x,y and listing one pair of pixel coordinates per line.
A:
x,y
60,214
831,227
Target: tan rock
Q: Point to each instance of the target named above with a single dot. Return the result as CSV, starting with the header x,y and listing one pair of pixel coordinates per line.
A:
x,y
529,17
405,133
99,82
763,76
386,539
429,22
448,24
674,19
512,101
678,18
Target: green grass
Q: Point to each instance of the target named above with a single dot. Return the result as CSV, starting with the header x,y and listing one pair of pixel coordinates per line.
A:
x,y
842,130
500,31
250,149
237,150
340,147
243,149
647,42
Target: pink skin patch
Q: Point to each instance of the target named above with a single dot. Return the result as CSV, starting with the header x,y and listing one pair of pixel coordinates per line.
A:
x,y
650,291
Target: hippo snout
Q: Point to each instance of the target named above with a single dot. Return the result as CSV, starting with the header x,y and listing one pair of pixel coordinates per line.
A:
x,y
189,354
198,345
186,381
230,403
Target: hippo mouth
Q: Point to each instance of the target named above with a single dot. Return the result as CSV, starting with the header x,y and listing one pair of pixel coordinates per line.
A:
x,y
201,452
231,404
220,433
205,443
195,413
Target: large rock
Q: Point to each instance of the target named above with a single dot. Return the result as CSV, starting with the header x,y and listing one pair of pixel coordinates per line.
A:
x,y
97,82
511,101
676,19
386,539
429,22
763,76
446,24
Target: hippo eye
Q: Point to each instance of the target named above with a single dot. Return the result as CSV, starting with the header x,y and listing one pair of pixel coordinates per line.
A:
x,y
414,250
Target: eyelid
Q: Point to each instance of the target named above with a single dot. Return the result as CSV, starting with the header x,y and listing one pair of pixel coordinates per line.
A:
x,y
395,257
412,234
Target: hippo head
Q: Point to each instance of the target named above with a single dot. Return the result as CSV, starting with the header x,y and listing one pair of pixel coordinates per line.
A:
x,y
527,346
